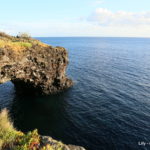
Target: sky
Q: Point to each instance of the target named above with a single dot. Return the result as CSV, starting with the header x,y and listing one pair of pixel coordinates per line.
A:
x,y
67,18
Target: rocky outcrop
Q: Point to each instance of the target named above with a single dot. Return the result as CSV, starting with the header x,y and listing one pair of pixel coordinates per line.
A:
x,y
33,66
46,140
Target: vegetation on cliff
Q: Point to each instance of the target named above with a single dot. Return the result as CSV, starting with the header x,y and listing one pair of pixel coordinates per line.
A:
x,y
18,43
11,139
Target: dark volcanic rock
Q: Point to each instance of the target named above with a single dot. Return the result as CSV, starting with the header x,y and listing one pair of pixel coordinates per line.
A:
x,y
39,69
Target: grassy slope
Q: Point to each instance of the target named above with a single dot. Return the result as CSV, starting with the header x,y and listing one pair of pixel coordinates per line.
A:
x,y
18,43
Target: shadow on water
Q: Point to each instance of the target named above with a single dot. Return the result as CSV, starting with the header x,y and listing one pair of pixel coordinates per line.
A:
x,y
47,114
51,115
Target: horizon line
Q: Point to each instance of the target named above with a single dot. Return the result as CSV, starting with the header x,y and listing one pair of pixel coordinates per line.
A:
x,y
89,37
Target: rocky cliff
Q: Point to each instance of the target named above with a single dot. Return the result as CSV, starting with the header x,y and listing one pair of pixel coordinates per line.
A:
x,y
33,66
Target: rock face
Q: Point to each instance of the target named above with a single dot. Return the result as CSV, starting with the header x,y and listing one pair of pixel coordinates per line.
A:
x,y
33,66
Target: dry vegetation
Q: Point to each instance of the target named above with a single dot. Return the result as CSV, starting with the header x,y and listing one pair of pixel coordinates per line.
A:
x,y
16,46
11,139
21,42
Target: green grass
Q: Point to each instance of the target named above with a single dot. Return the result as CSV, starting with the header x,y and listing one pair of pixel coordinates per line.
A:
x,y
24,44
14,45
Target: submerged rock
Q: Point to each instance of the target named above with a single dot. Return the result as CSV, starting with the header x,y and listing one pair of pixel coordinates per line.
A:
x,y
33,66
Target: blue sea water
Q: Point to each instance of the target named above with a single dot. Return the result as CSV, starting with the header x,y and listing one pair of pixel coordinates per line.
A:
x,y
108,108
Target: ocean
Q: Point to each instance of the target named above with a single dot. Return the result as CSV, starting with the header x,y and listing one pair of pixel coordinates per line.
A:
x,y
108,108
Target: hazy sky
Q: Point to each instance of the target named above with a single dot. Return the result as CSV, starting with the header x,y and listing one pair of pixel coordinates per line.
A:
x,y
76,17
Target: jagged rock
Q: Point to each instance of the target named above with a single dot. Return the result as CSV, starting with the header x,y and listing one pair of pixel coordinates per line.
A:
x,y
46,140
33,66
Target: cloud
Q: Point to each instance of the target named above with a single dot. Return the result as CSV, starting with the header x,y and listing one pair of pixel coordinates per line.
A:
x,y
102,22
105,17
49,29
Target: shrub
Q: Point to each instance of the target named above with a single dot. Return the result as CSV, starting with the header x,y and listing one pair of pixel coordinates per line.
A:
x,y
23,35
28,141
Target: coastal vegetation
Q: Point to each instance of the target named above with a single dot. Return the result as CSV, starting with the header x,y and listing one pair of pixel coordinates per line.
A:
x,y
14,45
22,41
23,35
12,139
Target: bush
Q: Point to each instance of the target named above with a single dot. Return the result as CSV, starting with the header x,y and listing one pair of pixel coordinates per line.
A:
x,y
28,141
23,35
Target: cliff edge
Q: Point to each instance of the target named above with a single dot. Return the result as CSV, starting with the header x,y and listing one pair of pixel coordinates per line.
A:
x,y
33,66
